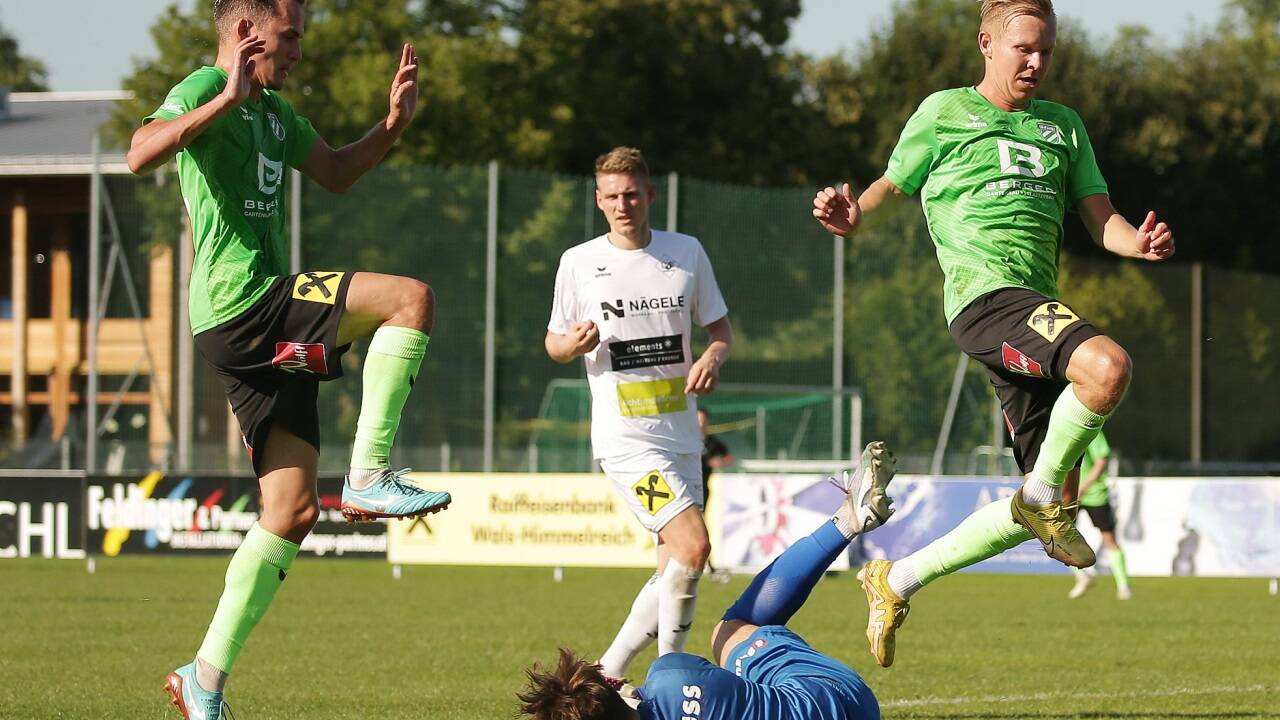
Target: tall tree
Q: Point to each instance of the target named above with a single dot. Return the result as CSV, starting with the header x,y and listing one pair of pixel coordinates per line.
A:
x,y
17,71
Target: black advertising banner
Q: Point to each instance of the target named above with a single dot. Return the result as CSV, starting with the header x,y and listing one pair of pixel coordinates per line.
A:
x,y
42,515
207,514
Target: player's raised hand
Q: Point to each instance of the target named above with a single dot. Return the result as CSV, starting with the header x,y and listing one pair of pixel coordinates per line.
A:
x,y
704,375
404,91
1155,240
837,212
585,337
240,77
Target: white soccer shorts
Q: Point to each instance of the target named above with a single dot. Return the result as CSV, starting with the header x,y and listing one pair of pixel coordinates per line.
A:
x,y
657,485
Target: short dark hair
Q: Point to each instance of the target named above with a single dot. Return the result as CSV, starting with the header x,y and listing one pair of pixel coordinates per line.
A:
x,y
223,10
574,690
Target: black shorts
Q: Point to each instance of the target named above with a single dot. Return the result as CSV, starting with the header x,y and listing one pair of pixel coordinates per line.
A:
x,y
1102,517
272,356
1025,340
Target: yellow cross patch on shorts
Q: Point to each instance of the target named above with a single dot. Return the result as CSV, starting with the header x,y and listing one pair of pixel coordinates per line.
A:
x,y
1050,319
319,287
653,492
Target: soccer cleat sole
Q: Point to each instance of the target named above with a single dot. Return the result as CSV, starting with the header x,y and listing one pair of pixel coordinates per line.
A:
x,y
353,514
173,686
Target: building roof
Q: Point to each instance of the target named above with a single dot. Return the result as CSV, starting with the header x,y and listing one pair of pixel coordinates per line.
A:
x,y
51,133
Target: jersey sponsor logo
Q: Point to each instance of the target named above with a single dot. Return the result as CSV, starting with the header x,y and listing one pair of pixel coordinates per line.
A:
x,y
646,352
756,645
305,357
653,492
617,310
1017,361
1050,132
642,307
317,287
655,397
277,128
691,707
1051,319
270,174
975,122
1020,158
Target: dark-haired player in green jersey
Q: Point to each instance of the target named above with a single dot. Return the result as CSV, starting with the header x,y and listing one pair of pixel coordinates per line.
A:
x,y
996,170
273,336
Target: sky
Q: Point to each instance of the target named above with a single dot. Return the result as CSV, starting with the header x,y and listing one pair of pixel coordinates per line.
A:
x,y
96,50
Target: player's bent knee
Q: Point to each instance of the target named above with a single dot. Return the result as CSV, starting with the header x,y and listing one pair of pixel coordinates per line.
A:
x,y
421,304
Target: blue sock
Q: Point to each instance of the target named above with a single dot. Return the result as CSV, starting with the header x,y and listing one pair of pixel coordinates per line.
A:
x,y
779,590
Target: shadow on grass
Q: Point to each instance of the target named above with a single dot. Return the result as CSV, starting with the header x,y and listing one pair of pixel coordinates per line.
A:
x,y
1085,715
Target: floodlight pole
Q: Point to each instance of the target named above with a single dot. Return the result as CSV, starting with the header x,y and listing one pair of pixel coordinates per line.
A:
x,y
490,313
957,382
95,261
295,222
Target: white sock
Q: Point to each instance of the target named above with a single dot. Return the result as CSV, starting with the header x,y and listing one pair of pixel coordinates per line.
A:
x,y
209,677
1039,492
361,478
678,594
637,631
903,579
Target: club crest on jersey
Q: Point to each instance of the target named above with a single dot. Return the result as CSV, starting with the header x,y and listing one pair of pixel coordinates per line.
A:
x,y
1050,132
277,129
653,492
1051,319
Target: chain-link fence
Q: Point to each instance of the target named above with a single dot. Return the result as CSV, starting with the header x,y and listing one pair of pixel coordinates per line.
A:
x,y
776,269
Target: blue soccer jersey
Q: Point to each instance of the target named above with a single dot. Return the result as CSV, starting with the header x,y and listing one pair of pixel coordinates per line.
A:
x,y
773,675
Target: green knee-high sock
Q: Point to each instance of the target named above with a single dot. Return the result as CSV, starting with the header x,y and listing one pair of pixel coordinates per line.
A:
x,y
255,574
1118,568
989,531
395,355
1072,426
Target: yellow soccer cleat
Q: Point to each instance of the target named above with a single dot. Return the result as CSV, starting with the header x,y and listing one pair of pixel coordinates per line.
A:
x,y
886,611
1053,527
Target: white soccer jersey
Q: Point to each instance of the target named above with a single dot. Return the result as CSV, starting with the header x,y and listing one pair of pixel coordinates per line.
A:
x,y
645,303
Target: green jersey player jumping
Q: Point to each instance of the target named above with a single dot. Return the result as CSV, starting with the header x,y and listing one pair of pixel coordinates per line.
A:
x,y
996,170
272,336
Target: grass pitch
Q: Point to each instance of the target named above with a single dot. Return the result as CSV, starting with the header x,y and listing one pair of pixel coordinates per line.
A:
x,y
344,640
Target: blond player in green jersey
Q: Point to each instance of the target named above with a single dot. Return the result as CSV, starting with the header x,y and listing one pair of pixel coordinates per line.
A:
x,y
997,170
272,336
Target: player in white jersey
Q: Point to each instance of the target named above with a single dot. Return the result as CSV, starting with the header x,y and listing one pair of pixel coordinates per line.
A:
x,y
626,302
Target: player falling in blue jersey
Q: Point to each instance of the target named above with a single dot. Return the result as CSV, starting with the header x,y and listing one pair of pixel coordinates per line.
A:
x,y
766,672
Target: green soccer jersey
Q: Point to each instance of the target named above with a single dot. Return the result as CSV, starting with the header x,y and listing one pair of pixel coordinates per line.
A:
x,y
232,179
995,186
1097,494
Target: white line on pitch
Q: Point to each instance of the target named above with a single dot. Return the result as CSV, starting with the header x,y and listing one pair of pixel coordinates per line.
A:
x,y
918,702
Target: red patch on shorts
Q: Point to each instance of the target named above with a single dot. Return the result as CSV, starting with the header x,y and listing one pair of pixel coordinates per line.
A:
x,y
307,357
1017,361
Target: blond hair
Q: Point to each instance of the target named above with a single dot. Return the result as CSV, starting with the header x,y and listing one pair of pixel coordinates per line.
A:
x,y
622,161
997,14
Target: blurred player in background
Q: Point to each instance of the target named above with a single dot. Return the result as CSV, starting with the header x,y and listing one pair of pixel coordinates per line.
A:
x,y
997,170
273,336
1095,499
626,302
765,671
715,455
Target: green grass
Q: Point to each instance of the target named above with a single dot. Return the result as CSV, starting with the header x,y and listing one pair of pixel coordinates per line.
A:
x,y
345,640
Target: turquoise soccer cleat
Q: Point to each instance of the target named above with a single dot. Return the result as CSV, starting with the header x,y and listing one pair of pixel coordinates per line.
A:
x,y
193,701
390,497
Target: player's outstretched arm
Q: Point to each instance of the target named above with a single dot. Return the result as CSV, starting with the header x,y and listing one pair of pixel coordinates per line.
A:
x,y
337,170
840,214
156,142
582,338
704,374
1150,241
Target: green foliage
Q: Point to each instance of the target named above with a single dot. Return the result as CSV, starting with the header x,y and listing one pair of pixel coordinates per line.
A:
x,y
20,73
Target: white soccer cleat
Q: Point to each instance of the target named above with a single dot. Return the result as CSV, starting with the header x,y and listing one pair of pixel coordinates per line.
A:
x,y
867,487
1124,593
1084,581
